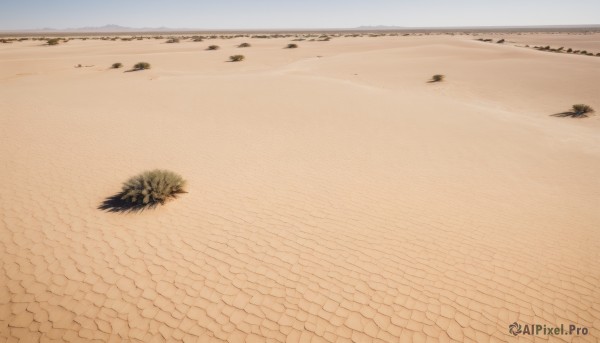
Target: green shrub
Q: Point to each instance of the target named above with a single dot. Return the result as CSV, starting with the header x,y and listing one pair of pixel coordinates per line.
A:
x,y
141,66
153,187
244,45
214,47
437,78
292,46
53,41
117,65
236,58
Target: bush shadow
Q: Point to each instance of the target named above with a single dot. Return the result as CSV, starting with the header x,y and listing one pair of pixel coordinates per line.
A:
x,y
116,204
569,114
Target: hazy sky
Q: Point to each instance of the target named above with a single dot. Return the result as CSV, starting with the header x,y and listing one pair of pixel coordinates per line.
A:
x,y
237,14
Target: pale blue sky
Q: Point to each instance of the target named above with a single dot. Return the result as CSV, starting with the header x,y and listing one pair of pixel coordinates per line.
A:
x,y
252,14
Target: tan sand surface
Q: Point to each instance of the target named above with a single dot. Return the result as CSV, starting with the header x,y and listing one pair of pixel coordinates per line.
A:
x,y
334,194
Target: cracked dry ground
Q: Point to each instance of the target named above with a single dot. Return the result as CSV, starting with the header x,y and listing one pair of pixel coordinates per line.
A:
x,y
340,219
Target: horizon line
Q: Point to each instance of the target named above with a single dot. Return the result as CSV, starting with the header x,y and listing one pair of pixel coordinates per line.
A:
x,y
98,29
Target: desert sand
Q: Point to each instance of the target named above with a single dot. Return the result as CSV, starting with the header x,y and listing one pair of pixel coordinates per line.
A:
x,y
334,194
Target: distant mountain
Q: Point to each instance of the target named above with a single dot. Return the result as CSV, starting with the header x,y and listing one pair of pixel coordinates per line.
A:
x,y
380,27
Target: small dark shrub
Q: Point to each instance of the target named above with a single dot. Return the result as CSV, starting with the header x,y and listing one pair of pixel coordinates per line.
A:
x,y
501,41
153,187
582,110
214,47
437,78
569,50
244,45
141,66
117,65
292,46
236,58
173,40
53,41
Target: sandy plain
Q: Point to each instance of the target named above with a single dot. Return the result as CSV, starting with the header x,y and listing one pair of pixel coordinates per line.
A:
x,y
334,194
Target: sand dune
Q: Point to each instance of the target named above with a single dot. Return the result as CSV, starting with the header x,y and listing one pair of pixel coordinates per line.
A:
x,y
334,194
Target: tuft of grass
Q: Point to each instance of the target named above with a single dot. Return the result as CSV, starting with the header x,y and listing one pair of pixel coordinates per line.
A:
x,y
117,65
292,46
214,47
437,78
237,58
141,66
244,45
53,41
153,187
582,110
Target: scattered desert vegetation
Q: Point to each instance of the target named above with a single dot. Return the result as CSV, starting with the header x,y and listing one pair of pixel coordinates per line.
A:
x,y
292,46
548,48
141,66
53,41
237,58
244,45
152,187
172,40
117,65
214,47
437,78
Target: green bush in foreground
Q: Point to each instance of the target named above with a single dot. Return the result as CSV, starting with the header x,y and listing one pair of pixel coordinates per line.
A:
x,y
437,78
236,58
153,187
582,110
117,65
141,66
